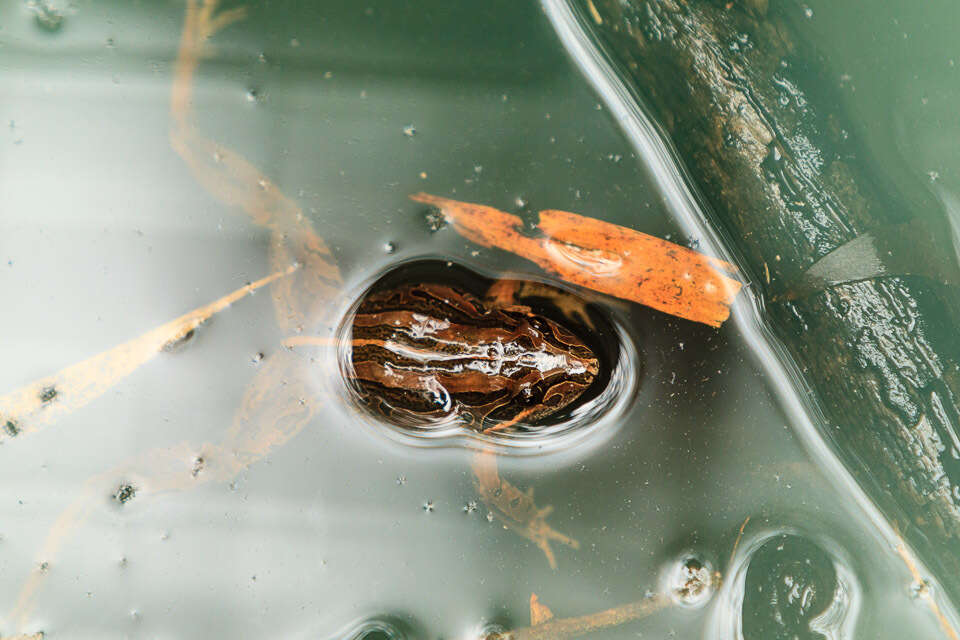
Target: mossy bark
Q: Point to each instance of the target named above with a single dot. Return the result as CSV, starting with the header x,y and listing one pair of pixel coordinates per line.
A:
x,y
762,134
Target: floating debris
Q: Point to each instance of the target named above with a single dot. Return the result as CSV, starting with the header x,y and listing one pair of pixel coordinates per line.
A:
x,y
125,493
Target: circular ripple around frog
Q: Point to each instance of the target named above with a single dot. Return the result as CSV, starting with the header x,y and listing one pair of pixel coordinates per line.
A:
x,y
436,354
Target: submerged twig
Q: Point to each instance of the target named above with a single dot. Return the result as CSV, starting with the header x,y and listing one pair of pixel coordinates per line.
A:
x,y
924,592
562,628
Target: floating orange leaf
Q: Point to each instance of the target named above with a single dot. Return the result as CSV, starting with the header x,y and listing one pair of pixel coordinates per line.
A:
x,y
605,257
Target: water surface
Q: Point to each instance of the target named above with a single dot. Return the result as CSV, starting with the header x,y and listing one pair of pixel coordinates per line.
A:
x,y
348,108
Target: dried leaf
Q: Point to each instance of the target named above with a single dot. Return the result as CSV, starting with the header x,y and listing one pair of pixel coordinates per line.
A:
x,y
605,257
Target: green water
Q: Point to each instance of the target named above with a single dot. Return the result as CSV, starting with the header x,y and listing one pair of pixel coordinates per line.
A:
x,y
349,108
897,66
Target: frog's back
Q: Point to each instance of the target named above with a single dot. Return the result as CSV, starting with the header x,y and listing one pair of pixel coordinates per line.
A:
x,y
432,352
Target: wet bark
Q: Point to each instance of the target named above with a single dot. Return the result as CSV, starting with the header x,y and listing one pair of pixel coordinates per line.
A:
x,y
753,118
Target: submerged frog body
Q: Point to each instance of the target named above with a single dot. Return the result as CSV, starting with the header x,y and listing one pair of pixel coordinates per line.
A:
x,y
432,352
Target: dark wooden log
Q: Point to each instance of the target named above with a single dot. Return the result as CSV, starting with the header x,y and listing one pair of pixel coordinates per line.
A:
x,y
753,118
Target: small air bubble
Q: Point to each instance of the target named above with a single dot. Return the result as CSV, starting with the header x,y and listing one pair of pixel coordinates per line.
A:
x,y
409,131
428,506
294,43
47,394
401,480
470,507
435,220
520,202
389,247
808,12
691,581
11,428
125,493
919,589
489,516
262,58
933,175
253,96
257,358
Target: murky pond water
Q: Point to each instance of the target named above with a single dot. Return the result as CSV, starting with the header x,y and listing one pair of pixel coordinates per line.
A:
x,y
343,529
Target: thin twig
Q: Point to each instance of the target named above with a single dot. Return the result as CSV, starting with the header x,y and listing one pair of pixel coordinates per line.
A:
x,y
562,628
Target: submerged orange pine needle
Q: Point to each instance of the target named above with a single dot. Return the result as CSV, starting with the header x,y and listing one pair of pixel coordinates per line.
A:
x,y
539,612
605,257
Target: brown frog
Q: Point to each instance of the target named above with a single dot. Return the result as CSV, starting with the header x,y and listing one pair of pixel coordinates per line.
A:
x,y
431,352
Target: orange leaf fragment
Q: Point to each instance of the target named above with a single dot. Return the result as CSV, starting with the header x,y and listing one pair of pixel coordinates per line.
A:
x,y
605,257
539,613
